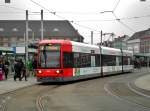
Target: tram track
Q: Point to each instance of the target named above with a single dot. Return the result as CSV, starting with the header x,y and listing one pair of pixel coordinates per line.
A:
x,y
37,93
124,91
4,100
39,99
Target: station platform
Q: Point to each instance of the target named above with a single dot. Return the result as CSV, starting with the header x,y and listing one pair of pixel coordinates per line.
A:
x,y
143,82
9,85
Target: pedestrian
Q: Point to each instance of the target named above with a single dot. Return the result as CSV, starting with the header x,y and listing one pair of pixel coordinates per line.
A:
x,y
17,69
1,70
6,69
30,68
34,64
23,70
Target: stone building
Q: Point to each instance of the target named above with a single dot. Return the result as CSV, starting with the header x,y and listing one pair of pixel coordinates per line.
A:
x,y
139,42
12,32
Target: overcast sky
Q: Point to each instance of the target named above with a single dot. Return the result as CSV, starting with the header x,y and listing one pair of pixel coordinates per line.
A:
x,y
86,13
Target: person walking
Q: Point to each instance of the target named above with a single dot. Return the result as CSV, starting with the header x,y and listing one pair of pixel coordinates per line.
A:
x,y
30,68
1,70
6,69
23,70
34,64
17,68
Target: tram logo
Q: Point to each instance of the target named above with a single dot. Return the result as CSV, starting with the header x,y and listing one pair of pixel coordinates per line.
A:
x,y
77,71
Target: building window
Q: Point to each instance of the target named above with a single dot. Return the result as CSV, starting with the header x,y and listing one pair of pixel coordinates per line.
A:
x,y
29,29
1,29
15,30
43,30
5,44
55,30
5,39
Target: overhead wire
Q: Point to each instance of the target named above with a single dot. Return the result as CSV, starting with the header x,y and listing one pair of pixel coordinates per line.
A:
x,y
79,13
86,27
118,19
54,13
125,25
16,8
116,5
36,13
74,22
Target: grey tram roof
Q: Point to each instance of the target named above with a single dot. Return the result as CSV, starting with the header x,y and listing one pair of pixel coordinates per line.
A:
x,y
51,28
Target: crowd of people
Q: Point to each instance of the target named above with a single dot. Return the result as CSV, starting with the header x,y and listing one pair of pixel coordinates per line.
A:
x,y
18,68
138,63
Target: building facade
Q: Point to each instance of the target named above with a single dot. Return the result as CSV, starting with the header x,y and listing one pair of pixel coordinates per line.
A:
x,y
12,32
121,42
139,42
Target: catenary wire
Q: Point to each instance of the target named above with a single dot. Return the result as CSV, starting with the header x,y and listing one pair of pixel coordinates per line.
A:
x,y
54,13
116,5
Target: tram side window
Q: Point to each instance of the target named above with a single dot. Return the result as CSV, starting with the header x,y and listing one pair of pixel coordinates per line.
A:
x,y
97,60
82,60
68,60
109,60
119,60
85,60
130,62
92,61
76,57
125,60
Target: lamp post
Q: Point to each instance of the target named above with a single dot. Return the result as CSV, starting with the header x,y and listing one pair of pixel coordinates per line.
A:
x,y
26,39
42,25
92,37
101,38
101,62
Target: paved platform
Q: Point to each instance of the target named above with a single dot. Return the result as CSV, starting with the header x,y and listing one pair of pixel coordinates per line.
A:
x,y
11,85
143,82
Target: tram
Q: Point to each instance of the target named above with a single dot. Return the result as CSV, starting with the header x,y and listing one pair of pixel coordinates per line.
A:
x,y
64,60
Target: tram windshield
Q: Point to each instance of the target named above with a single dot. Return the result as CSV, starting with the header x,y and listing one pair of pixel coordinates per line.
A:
x,y
49,56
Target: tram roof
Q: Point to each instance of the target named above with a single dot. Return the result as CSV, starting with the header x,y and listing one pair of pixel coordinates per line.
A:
x,y
84,44
67,42
110,51
55,42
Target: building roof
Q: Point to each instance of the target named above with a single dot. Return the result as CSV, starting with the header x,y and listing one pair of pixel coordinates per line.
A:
x,y
60,28
123,38
140,34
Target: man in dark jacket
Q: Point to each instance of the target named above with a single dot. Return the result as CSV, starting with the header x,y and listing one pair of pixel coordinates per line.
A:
x,y
17,68
23,70
6,68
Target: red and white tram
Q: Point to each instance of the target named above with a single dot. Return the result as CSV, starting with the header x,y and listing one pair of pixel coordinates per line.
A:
x,y
64,60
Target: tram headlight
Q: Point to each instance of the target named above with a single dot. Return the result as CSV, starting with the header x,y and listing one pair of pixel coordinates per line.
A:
x,y
59,71
39,71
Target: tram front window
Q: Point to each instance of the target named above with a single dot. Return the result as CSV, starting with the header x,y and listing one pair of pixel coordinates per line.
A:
x,y
49,56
